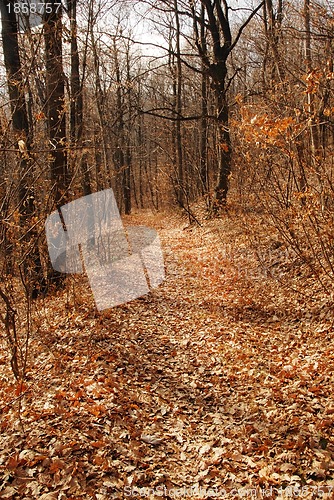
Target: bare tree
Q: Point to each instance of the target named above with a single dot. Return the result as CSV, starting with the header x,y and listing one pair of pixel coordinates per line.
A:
x,y
76,98
273,27
20,123
204,111
217,23
177,94
55,101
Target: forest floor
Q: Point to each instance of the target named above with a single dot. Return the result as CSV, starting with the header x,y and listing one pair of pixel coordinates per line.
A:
x,y
217,384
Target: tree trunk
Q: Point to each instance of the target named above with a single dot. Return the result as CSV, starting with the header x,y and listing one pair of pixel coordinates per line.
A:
x,y
55,109
272,30
55,95
178,111
31,267
217,23
20,122
225,150
76,107
314,136
103,175
204,116
127,139
122,155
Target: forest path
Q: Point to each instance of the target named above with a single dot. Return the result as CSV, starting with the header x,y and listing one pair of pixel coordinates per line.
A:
x,y
208,382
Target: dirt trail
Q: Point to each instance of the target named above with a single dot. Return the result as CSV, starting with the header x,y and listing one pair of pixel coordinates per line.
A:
x,y
213,382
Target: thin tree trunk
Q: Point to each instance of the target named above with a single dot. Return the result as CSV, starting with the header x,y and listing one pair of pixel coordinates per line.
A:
x,y
128,157
55,95
204,116
32,268
76,107
141,150
273,28
122,157
100,99
314,134
55,109
20,122
178,109
225,150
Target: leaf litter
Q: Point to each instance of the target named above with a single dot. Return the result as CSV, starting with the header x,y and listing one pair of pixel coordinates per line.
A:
x,y
220,378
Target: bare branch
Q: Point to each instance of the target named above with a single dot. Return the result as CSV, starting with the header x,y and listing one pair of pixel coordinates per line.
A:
x,y
241,29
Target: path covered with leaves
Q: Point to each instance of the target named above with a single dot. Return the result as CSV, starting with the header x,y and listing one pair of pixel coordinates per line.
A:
x,y
218,381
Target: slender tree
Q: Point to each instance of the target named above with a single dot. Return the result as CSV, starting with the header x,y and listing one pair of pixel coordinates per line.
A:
x,y
76,106
55,101
273,26
20,122
122,154
314,136
177,92
204,173
217,22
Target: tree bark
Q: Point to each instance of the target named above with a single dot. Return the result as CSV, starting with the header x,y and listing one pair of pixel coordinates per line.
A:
x,y
122,157
76,106
178,110
55,95
272,29
204,174
225,149
20,122
32,267
217,23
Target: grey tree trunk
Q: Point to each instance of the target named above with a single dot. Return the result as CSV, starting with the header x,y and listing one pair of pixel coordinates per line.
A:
x,y
122,155
204,173
178,111
76,106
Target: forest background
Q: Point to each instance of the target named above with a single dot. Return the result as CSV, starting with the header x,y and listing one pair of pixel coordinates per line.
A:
x,y
206,108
